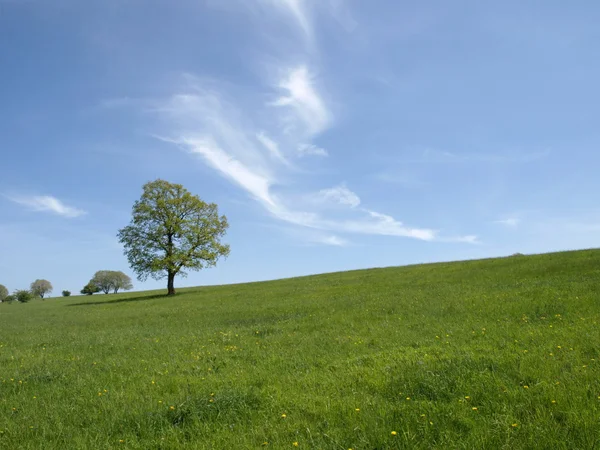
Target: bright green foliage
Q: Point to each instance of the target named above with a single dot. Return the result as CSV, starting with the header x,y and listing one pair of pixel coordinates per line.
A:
x,y
3,292
66,293
40,288
23,296
171,231
493,354
90,289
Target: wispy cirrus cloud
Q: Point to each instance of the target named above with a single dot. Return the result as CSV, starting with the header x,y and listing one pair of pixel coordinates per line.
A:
x,y
511,222
298,9
341,195
221,131
272,147
310,113
47,203
302,13
204,123
311,150
334,240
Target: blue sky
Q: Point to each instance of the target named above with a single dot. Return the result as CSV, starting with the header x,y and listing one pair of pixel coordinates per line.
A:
x,y
333,134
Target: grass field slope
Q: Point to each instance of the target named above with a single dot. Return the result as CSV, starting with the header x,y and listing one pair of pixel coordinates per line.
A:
x,y
498,353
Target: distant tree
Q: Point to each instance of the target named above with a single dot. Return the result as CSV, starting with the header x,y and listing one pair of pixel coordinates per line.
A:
x,y
120,281
23,295
3,292
172,230
9,299
90,289
39,288
66,293
103,280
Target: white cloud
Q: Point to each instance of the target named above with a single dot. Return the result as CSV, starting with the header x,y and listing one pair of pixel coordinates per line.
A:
x,y
311,150
470,239
511,222
385,225
302,10
340,194
205,118
304,100
272,146
372,223
206,124
47,203
298,10
256,184
333,240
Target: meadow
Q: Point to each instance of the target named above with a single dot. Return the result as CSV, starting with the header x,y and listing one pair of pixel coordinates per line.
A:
x,y
497,353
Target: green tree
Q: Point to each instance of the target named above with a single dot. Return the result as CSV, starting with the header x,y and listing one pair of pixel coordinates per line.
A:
x,y
3,292
111,280
172,230
66,293
23,295
90,289
103,280
40,288
9,299
120,281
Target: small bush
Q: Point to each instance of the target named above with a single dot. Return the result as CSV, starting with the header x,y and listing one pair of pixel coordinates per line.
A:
x,y
90,289
66,293
9,299
23,296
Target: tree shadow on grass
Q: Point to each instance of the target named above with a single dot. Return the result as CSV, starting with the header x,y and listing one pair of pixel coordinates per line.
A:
x,y
139,298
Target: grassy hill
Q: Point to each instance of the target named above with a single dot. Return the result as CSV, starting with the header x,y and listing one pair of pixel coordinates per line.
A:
x,y
498,353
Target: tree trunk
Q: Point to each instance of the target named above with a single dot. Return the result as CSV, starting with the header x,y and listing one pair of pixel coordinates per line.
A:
x,y
171,283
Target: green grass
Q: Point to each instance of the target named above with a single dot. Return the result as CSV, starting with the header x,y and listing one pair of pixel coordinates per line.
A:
x,y
499,353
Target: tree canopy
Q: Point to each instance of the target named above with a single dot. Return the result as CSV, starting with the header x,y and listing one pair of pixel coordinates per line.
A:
x,y
120,281
3,292
111,280
172,230
102,280
90,289
40,288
